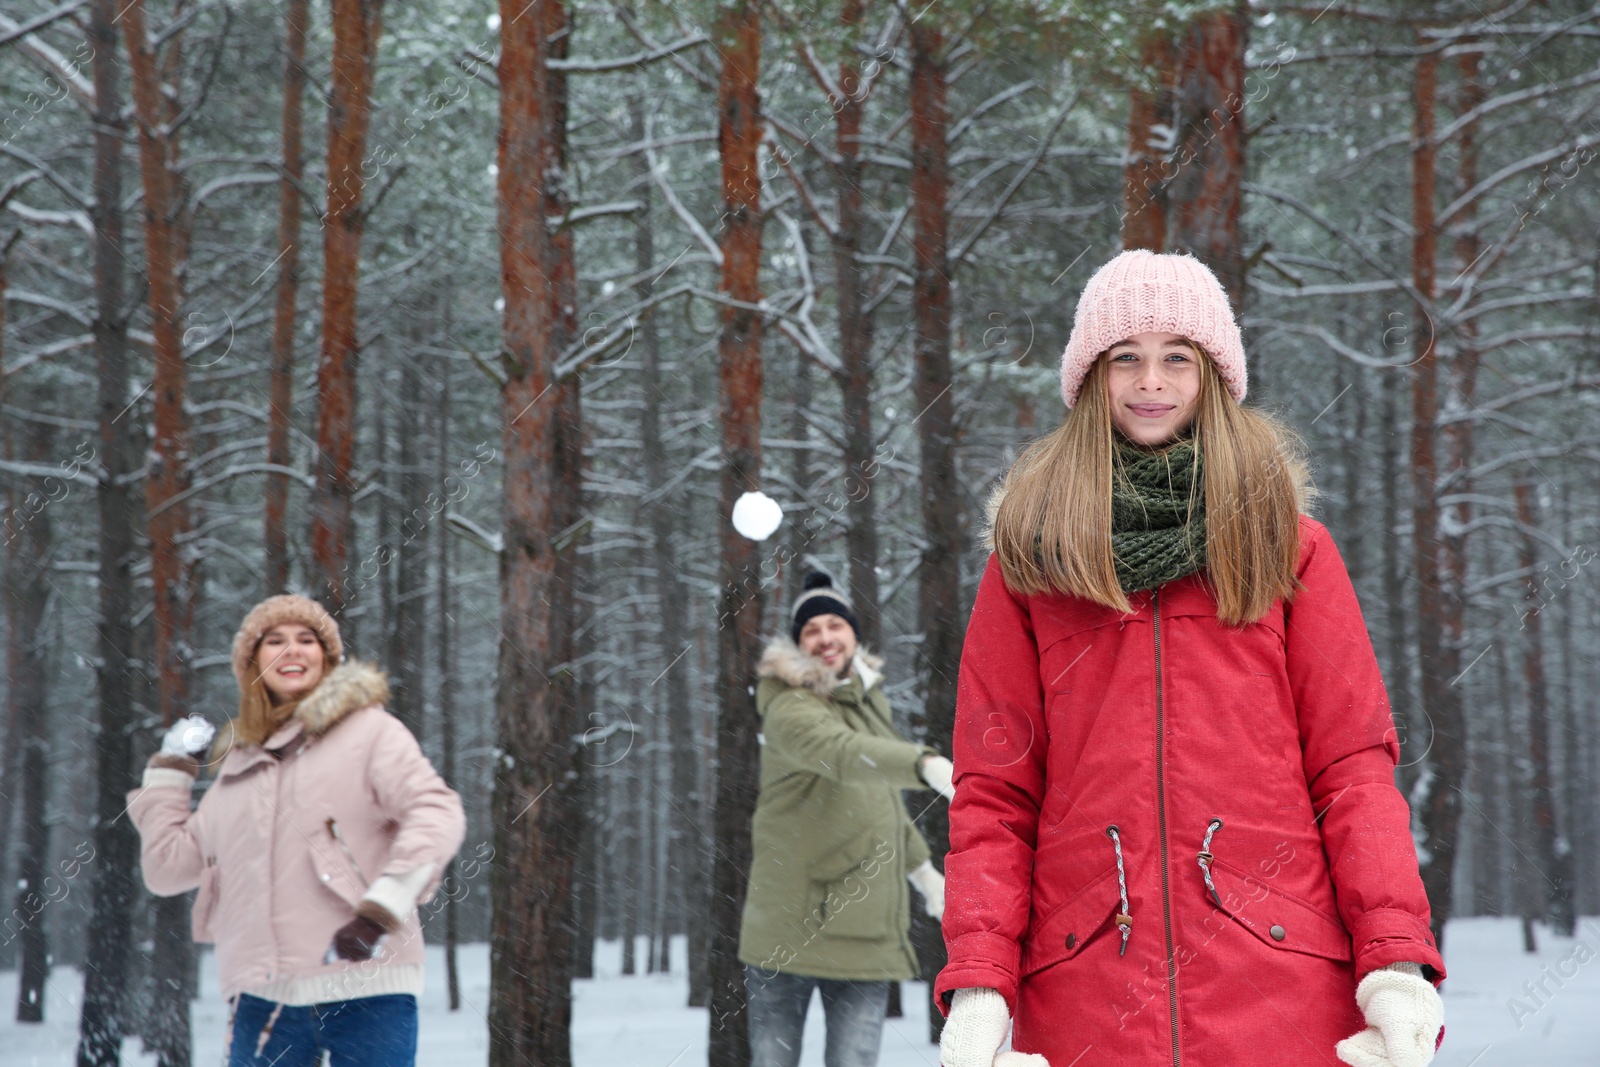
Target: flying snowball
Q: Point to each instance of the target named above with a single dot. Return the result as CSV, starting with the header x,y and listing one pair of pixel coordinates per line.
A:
x,y
756,515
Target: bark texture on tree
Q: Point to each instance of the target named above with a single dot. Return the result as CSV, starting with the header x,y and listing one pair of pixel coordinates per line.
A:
x,y
571,691
167,480
1206,190
1144,169
1455,361
1553,888
1412,724
1438,654
739,620
28,536
855,335
538,775
167,474
356,27
406,657
101,1019
280,394
445,676
939,572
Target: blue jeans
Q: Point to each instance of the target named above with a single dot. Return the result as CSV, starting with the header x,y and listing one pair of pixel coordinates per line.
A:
x,y
366,1032
778,1002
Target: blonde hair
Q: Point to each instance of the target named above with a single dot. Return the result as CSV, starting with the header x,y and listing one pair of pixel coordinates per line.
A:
x,y
1052,530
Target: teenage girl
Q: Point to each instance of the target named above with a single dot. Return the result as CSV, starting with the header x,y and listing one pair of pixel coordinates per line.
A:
x,y
1175,835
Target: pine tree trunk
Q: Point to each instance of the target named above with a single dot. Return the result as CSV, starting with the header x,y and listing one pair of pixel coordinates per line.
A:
x,y
167,480
100,1022
27,691
1555,868
445,673
1564,905
855,338
1353,545
739,620
572,638
1144,168
1414,733
406,652
538,776
939,573
280,405
1438,653
799,534
585,882
356,26
1205,192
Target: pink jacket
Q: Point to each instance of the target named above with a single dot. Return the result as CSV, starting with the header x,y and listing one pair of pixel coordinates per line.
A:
x,y
285,850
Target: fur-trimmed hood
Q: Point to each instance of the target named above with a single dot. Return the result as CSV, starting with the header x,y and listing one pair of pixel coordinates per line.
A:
x,y
348,687
783,660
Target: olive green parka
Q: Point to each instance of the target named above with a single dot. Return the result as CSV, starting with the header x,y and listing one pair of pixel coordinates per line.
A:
x,y
828,895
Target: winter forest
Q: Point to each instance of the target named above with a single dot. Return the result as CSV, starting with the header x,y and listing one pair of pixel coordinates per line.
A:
x,y
475,324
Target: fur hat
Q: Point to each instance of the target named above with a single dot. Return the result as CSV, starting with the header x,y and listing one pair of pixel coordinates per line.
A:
x,y
820,598
1150,292
275,611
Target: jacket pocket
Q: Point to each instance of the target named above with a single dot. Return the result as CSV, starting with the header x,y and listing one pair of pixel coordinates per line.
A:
x,y
861,900
205,903
1278,919
1064,932
336,868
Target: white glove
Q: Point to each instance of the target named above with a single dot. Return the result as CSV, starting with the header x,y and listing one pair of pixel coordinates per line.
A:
x,y
188,737
1404,1016
976,1029
938,772
930,883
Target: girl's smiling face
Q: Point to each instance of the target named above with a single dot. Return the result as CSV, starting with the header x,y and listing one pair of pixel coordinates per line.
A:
x,y
291,660
1153,384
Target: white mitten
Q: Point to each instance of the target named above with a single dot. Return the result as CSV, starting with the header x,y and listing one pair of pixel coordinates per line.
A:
x,y
1405,1020
938,772
975,1029
930,883
188,737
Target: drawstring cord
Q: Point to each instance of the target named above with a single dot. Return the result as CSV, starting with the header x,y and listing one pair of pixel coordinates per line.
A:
x,y
1205,858
1124,920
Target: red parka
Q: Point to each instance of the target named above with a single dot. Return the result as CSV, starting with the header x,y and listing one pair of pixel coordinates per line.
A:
x,y
1080,729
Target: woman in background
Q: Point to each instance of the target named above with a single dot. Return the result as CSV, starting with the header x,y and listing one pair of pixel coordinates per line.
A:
x,y
324,829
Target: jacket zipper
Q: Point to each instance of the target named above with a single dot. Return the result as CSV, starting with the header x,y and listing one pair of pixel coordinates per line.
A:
x,y
1161,818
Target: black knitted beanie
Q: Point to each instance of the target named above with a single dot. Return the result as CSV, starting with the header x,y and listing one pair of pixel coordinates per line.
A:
x,y
820,598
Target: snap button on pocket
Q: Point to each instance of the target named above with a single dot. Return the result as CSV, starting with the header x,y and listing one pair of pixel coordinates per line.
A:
x,y
328,878
1072,939
1278,933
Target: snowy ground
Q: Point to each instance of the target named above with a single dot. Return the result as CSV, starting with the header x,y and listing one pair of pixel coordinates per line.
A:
x,y
640,1021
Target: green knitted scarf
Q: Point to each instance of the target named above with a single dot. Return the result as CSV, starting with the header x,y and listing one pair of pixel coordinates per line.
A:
x,y
1155,535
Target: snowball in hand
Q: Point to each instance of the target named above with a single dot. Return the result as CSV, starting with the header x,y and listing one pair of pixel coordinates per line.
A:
x,y
186,737
756,515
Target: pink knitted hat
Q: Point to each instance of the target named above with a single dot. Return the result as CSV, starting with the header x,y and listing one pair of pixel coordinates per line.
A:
x,y
1148,292
275,611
